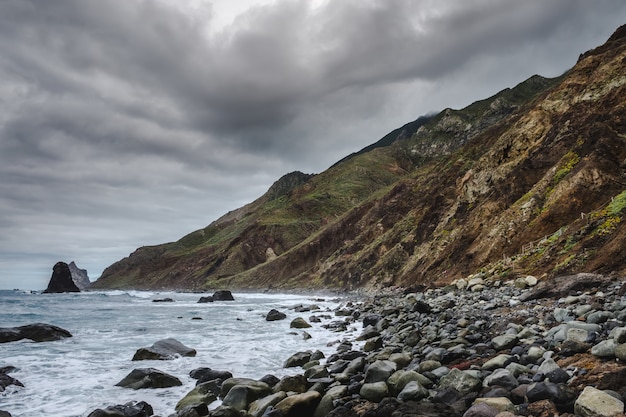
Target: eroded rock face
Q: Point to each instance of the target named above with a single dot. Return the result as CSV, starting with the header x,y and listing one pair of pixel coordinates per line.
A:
x,y
61,280
79,276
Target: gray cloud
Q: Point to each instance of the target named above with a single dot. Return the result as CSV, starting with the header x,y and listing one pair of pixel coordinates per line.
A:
x,y
129,122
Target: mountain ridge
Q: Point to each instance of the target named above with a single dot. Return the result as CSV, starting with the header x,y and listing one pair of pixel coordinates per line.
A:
x,y
528,181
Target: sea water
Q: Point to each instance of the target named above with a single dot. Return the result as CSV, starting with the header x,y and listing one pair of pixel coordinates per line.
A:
x,y
77,375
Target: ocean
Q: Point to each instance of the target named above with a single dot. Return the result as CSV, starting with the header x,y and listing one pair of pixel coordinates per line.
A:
x,y
77,375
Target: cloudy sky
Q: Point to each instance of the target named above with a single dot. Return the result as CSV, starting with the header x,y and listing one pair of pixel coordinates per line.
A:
x,y
126,123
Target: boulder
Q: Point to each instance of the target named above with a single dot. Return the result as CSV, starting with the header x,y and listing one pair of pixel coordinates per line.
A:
x,y
374,391
163,350
207,299
237,398
295,383
325,405
61,280
256,389
148,378
413,391
130,409
593,402
223,295
163,300
207,374
299,405
37,332
297,359
380,371
462,381
562,286
274,315
257,408
204,393
299,323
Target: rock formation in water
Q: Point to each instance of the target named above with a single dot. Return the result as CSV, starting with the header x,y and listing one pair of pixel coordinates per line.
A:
x,y
67,278
61,280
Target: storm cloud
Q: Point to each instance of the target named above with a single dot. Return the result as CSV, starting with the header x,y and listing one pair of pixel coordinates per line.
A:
x,y
132,122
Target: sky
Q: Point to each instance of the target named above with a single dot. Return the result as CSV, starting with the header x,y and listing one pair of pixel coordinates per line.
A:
x,y
128,123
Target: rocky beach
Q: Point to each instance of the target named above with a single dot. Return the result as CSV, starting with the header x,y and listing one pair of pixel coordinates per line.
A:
x,y
478,347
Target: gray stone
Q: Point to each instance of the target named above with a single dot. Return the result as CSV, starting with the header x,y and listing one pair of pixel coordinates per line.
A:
x,y
326,404
275,315
374,391
401,359
562,315
596,403
620,351
502,378
258,407
380,371
462,381
481,410
502,404
297,359
548,365
163,350
427,366
401,378
496,362
619,334
237,398
505,341
604,349
599,317
413,391
577,335
37,332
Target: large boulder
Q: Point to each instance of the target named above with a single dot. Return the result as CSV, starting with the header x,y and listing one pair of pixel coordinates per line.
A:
x,y
148,378
300,405
61,280
208,374
37,332
204,393
163,350
223,295
79,276
274,315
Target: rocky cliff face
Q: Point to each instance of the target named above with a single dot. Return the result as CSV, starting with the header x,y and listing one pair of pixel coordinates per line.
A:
x,y
530,181
79,276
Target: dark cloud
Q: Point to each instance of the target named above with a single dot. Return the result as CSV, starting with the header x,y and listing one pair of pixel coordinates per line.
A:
x,y
133,122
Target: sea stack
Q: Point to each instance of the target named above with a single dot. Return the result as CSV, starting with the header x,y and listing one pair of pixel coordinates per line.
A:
x,y
61,280
79,276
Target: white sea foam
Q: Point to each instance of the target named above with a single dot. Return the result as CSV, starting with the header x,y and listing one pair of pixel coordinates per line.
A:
x,y
74,376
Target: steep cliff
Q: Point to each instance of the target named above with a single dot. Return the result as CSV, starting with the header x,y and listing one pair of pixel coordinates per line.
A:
x,y
529,181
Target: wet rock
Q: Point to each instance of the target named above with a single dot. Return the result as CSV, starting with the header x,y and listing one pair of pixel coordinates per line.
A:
x,y
596,403
164,349
223,295
258,407
299,323
380,371
325,405
292,383
205,299
604,349
297,359
148,378
6,381
299,405
163,300
502,378
37,332
204,393
505,341
255,389
203,375
237,398
274,315
130,409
